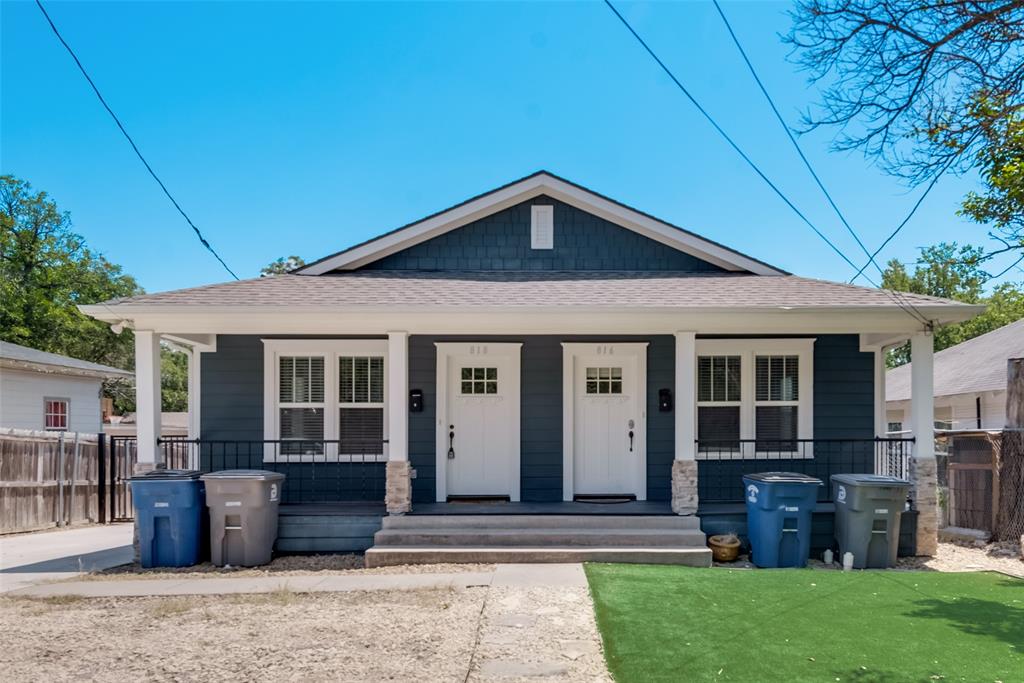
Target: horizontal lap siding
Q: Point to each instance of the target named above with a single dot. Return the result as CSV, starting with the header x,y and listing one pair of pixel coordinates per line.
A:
x,y
501,241
231,409
541,413
843,409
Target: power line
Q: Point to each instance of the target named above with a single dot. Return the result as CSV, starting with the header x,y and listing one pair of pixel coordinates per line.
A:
x,y
789,134
914,314
896,296
131,142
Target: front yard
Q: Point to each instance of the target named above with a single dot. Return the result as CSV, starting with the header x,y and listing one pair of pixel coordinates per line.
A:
x,y
663,623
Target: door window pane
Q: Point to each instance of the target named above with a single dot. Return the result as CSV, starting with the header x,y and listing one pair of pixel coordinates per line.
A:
x,y
603,380
479,380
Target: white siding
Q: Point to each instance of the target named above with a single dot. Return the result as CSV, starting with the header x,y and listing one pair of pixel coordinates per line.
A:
x,y
961,407
22,394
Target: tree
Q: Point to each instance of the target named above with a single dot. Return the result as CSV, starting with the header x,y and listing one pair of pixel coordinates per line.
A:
x,y
916,85
46,270
954,272
282,266
1001,164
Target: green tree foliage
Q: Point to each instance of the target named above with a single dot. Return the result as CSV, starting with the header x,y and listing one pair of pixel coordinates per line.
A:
x,y
954,272
1001,164
282,265
46,270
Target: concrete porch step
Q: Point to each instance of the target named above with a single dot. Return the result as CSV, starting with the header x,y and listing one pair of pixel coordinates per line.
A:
x,y
540,537
501,521
383,556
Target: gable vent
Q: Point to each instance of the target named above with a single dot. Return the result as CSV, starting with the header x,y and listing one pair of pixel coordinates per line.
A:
x,y
542,227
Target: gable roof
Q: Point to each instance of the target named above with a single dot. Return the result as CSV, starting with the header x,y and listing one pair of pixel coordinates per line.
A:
x,y
972,366
19,357
534,185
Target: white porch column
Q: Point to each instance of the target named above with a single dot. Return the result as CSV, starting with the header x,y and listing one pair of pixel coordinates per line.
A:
x,y
923,475
147,398
398,489
684,466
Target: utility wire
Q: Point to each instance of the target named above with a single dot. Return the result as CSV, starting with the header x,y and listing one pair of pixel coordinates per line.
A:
x,y
803,157
747,159
131,142
789,134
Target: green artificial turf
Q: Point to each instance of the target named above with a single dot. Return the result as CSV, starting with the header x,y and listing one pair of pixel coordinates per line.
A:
x,y
664,623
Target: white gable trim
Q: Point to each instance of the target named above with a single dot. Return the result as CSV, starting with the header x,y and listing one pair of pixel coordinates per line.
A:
x,y
524,190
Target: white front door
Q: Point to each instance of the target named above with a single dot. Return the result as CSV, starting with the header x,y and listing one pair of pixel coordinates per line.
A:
x,y
605,419
478,420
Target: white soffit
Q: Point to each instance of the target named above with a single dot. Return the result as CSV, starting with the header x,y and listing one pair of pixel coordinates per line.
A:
x,y
524,190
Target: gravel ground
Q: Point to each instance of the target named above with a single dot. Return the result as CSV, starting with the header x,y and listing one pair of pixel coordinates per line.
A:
x,y
1001,557
426,635
290,565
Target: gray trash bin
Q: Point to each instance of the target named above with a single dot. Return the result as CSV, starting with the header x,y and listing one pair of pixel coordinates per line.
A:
x,y
243,515
868,512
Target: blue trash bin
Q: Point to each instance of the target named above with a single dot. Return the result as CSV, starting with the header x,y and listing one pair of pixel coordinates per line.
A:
x,y
779,508
170,506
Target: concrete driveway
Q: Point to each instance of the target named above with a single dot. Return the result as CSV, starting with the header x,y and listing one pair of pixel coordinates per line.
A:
x,y
45,555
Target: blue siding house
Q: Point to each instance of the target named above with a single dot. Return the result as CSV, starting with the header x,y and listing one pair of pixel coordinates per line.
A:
x,y
495,377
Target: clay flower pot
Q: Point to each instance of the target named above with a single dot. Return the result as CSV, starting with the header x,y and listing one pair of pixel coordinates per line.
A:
x,y
724,547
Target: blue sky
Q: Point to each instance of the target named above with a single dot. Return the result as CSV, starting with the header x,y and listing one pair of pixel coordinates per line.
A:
x,y
287,128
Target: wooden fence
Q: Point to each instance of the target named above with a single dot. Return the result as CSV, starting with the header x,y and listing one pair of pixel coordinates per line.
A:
x,y
48,479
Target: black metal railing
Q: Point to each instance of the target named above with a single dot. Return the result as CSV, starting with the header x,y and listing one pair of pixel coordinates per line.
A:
x,y
316,470
722,463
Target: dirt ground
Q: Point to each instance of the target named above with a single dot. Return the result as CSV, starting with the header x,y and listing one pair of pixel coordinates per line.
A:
x,y
289,565
422,635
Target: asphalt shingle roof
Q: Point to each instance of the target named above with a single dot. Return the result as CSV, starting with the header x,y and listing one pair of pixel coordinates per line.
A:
x,y
15,353
521,289
975,365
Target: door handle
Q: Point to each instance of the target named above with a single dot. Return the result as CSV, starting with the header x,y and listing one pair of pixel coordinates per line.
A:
x,y
630,440
451,442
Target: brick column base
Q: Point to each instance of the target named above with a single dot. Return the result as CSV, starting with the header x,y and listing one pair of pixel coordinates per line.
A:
x,y
923,481
684,487
398,487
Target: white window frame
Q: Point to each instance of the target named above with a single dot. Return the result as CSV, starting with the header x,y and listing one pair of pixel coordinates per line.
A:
x,y
67,413
331,350
748,350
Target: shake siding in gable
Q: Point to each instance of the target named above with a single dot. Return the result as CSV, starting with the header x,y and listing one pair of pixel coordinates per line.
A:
x,y
582,241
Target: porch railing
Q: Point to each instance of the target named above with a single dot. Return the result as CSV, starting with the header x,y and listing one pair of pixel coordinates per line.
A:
x,y
722,463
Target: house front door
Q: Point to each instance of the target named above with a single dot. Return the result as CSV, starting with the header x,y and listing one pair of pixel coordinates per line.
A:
x,y
606,420
478,428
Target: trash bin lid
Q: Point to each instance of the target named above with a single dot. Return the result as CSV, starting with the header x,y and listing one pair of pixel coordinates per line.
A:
x,y
783,478
167,475
259,475
869,480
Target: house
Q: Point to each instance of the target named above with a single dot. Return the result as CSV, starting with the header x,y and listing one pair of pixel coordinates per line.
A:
x,y
970,383
47,391
538,368
171,424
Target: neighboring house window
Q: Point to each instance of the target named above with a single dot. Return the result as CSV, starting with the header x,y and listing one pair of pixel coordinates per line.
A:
x,y
754,398
894,427
324,400
55,414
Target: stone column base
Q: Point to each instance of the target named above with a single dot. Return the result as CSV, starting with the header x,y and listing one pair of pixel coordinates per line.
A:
x,y
924,482
684,487
398,487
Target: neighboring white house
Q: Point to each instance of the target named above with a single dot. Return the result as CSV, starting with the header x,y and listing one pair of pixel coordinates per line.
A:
x,y
970,383
171,424
47,391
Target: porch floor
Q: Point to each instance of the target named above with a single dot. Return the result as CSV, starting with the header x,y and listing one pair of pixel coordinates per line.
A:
x,y
498,508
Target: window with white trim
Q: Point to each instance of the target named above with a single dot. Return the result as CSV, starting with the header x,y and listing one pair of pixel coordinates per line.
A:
x,y
325,400
754,397
718,403
55,414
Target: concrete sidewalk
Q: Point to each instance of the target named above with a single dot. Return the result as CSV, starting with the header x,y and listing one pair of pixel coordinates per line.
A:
x,y
503,576
62,554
